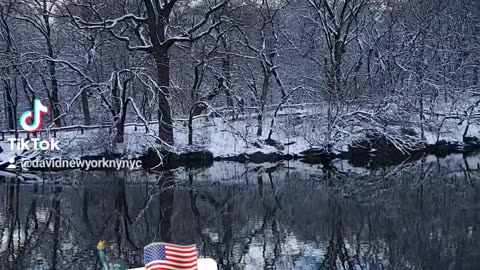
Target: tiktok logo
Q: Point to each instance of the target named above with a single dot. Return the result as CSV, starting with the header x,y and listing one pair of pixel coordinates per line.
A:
x,y
35,115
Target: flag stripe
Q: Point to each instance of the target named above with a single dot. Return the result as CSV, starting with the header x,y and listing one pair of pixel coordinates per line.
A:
x,y
169,267
179,259
179,254
193,263
171,245
181,249
175,261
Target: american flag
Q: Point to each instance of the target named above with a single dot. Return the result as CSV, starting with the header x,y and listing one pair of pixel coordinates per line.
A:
x,y
163,256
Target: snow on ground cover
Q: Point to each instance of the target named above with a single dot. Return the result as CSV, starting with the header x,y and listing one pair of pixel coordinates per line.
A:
x,y
219,135
7,153
452,131
296,129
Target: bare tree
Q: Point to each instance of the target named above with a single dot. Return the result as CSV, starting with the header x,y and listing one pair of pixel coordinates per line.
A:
x,y
39,14
265,51
6,76
154,18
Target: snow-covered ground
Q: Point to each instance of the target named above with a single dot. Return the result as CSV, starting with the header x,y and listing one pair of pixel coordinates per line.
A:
x,y
7,153
218,135
295,130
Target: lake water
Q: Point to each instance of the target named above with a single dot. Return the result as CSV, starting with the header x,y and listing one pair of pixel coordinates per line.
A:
x,y
424,215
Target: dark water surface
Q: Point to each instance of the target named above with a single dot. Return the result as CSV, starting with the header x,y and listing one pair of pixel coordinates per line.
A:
x,y
276,216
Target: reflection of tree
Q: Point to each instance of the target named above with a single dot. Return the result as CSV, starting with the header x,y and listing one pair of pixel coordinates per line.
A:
x,y
32,214
231,249
55,212
224,205
166,207
22,237
421,226
85,208
122,220
336,249
14,218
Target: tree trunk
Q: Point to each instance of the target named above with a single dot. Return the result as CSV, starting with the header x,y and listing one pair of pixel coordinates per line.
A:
x,y
55,99
121,104
85,108
263,100
422,117
465,132
52,70
226,69
259,122
475,76
158,18
165,123
120,137
10,106
190,125
337,68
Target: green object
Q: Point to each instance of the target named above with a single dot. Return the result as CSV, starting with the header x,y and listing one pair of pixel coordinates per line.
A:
x,y
106,265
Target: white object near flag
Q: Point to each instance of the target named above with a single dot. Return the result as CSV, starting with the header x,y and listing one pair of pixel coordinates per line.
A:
x,y
207,264
203,264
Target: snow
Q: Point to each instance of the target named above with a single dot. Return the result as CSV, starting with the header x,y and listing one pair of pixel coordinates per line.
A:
x,y
7,153
296,129
452,132
212,134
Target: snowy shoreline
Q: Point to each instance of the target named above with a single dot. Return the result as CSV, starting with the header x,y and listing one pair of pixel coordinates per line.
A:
x,y
204,158
219,139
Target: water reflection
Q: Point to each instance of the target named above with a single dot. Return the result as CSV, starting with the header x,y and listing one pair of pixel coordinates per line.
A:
x,y
279,216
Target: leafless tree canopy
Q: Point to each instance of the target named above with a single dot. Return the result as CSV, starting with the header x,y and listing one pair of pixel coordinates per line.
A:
x,y
356,66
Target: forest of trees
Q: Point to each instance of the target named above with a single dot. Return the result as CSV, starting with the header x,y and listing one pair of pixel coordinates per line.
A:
x,y
368,64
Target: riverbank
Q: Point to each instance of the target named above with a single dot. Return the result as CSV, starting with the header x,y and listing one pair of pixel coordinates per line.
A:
x,y
370,158
298,135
